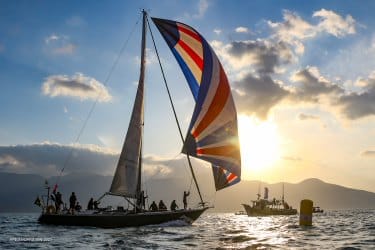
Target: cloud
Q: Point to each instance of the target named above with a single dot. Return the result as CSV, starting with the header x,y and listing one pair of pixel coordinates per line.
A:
x,y
217,31
258,95
158,167
359,105
150,58
59,45
293,27
334,24
202,8
77,86
303,117
51,38
47,159
264,55
254,67
242,30
294,30
312,86
368,153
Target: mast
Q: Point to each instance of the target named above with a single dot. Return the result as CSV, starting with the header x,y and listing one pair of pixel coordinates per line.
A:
x,y
141,79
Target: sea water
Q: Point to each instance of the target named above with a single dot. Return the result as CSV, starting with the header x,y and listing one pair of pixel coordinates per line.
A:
x,y
349,229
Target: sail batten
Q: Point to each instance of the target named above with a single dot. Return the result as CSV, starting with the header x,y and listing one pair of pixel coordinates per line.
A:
x,y
212,134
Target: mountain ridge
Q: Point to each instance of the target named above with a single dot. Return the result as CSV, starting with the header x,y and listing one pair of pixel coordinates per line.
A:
x,y
18,192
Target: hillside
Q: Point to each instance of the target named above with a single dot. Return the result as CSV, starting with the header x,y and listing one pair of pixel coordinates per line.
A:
x,y
18,192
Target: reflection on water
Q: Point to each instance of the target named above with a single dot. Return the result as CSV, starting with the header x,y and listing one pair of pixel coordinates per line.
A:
x,y
353,229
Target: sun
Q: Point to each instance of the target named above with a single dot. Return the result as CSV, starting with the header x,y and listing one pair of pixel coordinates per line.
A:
x,y
259,142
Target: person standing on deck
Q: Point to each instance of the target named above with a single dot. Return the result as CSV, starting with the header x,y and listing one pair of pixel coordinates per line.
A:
x,y
186,194
143,199
90,205
72,201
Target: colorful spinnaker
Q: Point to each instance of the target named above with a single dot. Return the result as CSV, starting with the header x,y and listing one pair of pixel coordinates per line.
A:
x,y
212,133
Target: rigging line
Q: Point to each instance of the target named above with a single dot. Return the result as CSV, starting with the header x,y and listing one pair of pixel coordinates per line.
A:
x,y
105,83
174,112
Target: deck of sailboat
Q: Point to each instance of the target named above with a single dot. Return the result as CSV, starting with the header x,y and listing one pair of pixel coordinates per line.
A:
x,y
114,219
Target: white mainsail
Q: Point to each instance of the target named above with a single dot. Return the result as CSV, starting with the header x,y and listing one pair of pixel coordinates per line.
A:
x,y
127,179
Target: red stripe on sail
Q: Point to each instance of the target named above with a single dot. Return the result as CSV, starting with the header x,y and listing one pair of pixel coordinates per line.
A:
x,y
217,104
196,58
190,33
231,177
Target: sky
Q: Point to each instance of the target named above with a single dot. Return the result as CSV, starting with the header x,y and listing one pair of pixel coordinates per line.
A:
x,y
302,77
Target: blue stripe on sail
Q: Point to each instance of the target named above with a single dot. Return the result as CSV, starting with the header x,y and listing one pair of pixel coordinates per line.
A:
x,y
221,178
229,166
229,130
205,84
193,84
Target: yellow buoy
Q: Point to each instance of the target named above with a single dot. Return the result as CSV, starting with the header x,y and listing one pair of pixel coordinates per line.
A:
x,y
305,214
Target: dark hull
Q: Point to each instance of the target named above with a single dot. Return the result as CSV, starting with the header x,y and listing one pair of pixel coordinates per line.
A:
x,y
251,211
120,219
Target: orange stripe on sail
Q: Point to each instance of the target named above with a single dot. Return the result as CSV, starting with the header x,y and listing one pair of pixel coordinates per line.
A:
x,y
226,151
217,104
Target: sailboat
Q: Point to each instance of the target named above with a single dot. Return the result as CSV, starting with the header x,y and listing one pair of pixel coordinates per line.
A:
x,y
212,135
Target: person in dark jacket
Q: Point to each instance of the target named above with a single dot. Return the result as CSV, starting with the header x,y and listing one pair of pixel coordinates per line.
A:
x,y
78,207
162,206
90,205
186,194
72,201
153,206
173,205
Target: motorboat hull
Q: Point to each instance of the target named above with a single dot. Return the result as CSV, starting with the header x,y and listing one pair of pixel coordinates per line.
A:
x,y
251,211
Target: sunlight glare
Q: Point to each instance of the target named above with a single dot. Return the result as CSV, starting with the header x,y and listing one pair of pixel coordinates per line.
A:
x,y
259,143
